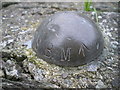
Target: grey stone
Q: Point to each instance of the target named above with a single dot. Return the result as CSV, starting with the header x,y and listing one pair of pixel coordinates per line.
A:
x,y
100,84
36,72
93,67
23,85
1,73
64,75
116,82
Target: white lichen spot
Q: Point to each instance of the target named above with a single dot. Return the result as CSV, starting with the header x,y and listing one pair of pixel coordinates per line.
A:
x,y
111,29
99,17
115,29
53,30
12,16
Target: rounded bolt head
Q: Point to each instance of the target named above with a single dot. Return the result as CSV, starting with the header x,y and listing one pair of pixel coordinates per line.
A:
x,y
68,39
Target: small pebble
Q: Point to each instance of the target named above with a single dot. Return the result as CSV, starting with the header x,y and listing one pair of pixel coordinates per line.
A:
x,y
116,82
93,13
99,17
1,73
104,21
100,84
92,67
64,75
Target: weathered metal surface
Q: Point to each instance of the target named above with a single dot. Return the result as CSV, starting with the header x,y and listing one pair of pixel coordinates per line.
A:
x,y
68,39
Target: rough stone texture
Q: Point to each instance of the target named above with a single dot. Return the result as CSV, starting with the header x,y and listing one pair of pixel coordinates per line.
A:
x,y
2,73
100,84
19,25
24,85
106,6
